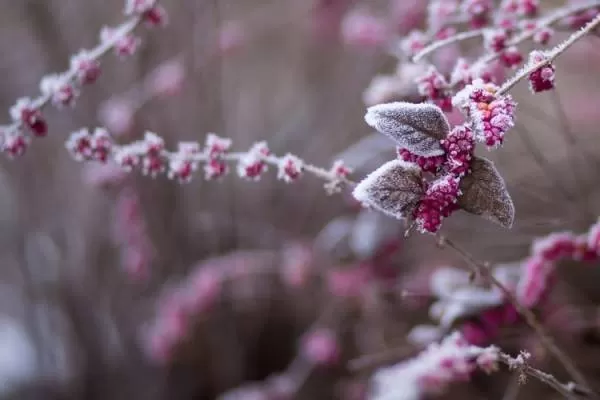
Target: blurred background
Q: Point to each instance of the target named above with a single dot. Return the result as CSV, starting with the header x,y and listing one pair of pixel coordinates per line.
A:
x,y
90,261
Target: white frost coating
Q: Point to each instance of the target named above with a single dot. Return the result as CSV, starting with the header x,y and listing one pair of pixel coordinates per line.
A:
x,y
444,281
368,189
415,127
422,335
17,355
429,372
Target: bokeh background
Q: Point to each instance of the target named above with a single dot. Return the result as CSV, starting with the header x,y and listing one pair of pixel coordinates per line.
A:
x,y
74,310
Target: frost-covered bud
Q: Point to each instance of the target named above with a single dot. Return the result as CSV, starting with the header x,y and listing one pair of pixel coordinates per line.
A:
x,y
215,168
433,86
478,11
216,146
459,146
439,202
543,36
101,144
133,7
593,238
414,42
15,144
542,78
152,147
181,168
182,164
487,361
339,170
582,251
153,165
124,45
554,246
24,111
492,115
461,73
79,145
149,10
127,157
86,68
361,29
290,168
252,165
152,143
156,16
321,347
59,89
495,40
427,164
534,282
511,57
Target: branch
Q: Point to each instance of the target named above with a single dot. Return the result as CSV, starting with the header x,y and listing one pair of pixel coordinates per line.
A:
x,y
483,270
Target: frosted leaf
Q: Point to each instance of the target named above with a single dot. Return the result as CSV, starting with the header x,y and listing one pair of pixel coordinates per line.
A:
x,y
485,194
415,127
394,188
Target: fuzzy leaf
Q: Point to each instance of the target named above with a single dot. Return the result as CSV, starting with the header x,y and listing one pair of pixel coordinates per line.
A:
x,y
415,127
485,194
394,188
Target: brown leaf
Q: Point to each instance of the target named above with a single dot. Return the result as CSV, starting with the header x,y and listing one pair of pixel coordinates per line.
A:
x,y
484,193
415,127
395,188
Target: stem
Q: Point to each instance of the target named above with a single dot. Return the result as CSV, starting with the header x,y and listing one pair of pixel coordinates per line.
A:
x,y
550,56
569,390
528,315
445,42
96,53
544,23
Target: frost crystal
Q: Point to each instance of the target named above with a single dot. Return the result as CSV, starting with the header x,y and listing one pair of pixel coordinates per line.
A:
x,y
415,127
395,188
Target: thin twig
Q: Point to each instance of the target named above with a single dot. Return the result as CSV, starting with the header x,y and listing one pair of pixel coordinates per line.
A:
x,y
550,56
528,315
569,390
448,41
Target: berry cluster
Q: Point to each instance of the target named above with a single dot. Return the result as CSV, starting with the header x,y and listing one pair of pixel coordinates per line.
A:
x,y
152,158
62,89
